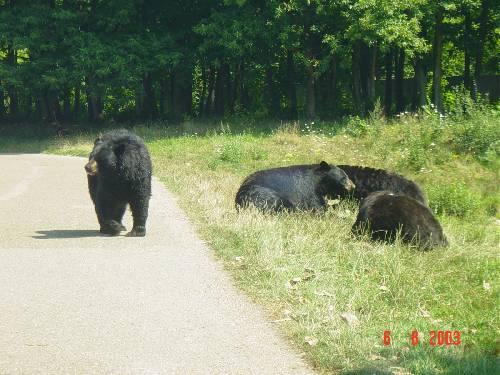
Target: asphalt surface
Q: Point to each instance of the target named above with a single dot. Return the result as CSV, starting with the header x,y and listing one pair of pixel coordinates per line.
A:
x,y
75,302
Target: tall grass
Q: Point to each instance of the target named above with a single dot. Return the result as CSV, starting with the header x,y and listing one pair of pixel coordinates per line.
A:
x,y
308,271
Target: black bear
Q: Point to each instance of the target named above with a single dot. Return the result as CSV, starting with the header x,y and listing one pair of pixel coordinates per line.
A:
x,y
119,173
384,214
298,187
369,180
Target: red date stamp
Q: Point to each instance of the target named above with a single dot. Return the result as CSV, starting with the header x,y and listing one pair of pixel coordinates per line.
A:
x,y
436,338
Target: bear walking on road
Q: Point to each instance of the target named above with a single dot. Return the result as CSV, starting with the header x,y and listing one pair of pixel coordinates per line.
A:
x,y
384,214
298,187
369,180
119,173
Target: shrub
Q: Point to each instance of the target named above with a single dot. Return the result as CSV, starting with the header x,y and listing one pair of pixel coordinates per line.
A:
x,y
236,151
476,136
453,199
230,152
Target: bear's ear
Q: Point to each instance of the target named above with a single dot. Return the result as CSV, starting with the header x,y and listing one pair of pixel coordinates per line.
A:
x,y
324,167
119,150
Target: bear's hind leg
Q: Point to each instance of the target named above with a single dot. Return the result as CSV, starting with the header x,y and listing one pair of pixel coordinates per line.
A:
x,y
139,208
268,200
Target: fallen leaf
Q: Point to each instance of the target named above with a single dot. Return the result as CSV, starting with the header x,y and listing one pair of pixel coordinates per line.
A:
x,y
400,371
343,214
281,320
375,357
350,319
332,202
309,274
295,280
323,293
424,313
239,259
383,288
312,341
289,286
486,285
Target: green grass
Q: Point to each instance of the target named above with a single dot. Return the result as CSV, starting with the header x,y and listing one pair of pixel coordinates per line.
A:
x,y
388,287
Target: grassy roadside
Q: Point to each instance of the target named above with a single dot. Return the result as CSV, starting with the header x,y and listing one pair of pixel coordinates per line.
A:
x,y
307,271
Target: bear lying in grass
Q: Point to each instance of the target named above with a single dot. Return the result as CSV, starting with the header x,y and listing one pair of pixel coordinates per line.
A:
x,y
119,173
383,214
298,187
369,180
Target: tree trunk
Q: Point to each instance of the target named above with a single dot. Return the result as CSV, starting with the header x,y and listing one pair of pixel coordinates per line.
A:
x,y
370,78
467,46
420,81
163,97
221,90
332,87
292,92
182,90
149,110
41,107
97,105
356,78
437,56
11,90
201,103
241,95
271,92
2,101
210,99
399,80
389,58
90,110
483,32
94,108
310,93
76,102
67,105
139,102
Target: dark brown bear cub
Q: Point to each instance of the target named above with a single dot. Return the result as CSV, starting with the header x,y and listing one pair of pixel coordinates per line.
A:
x,y
119,173
297,187
369,180
384,214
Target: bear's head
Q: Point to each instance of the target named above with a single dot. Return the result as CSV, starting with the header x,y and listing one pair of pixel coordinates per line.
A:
x,y
333,180
103,156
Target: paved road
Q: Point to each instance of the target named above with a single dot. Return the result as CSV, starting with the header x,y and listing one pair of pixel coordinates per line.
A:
x,y
75,302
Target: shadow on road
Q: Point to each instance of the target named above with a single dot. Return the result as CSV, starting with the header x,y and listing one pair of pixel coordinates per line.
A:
x,y
65,233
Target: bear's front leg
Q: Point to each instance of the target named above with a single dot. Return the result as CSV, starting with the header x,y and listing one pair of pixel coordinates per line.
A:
x,y
139,208
106,212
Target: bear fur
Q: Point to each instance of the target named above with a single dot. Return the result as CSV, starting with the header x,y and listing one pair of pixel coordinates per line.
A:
x,y
298,187
384,214
119,173
369,180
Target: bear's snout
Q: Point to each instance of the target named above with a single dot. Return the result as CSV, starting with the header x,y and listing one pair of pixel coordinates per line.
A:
x,y
91,167
349,185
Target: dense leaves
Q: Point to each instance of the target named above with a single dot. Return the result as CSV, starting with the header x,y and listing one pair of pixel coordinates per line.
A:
x,y
67,60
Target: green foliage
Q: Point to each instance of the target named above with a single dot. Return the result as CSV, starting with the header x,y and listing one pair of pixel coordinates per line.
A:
x,y
235,151
453,199
123,60
478,137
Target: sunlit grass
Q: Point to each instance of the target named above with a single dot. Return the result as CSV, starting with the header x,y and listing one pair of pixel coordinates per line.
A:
x,y
307,270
